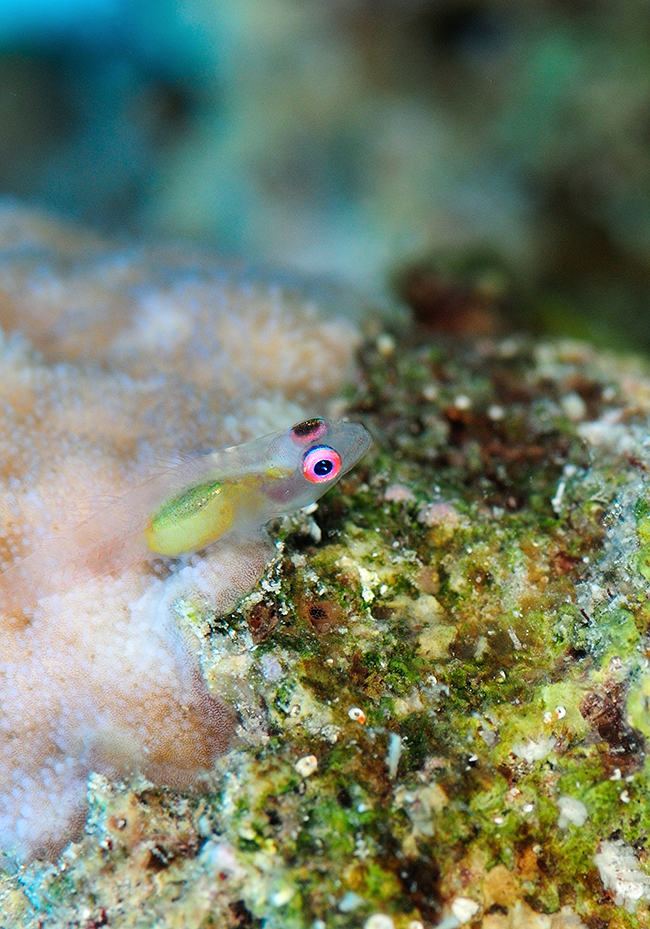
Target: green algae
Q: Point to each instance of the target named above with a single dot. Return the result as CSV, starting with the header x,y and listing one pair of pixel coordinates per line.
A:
x,y
521,662
488,620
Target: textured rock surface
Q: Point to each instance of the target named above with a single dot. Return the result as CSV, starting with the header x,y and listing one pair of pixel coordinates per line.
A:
x,y
442,684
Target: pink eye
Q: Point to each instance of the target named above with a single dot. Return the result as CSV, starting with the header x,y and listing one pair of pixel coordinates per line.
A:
x,y
321,464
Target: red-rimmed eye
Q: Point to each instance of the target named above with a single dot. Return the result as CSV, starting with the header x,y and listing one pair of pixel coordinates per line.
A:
x,y
321,464
309,431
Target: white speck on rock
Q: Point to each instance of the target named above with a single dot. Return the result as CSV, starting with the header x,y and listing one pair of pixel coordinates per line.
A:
x,y
464,909
220,858
385,344
379,921
350,902
572,812
307,765
573,407
556,500
535,749
393,754
621,874
271,668
282,896
438,514
399,493
369,581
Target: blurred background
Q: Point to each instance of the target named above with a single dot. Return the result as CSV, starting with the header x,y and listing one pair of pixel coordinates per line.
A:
x,y
490,153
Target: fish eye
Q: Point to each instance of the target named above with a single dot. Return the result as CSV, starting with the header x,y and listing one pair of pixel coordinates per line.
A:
x,y
309,431
321,464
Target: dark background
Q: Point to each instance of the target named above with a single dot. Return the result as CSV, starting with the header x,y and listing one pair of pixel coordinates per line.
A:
x,y
387,143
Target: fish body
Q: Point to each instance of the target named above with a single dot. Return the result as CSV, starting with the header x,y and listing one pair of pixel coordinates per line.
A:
x,y
241,488
188,507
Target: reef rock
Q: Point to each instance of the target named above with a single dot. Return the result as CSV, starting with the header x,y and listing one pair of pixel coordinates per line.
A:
x,y
448,664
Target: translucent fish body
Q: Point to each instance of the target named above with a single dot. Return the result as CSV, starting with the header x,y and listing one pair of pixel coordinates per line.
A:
x,y
200,515
190,506
242,488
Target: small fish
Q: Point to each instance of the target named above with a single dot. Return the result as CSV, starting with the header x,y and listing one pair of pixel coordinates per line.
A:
x,y
234,491
241,488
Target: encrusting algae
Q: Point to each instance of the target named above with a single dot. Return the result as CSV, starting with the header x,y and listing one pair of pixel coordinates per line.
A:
x,y
440,686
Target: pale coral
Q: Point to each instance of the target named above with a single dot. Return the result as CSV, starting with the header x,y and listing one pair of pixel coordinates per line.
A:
x,y
145,355
173,311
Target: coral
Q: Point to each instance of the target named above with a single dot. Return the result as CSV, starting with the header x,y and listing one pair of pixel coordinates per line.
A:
x,y
241,339
440,685
143,356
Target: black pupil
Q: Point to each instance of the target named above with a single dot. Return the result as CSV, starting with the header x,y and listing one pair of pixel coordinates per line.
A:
x,y
323,467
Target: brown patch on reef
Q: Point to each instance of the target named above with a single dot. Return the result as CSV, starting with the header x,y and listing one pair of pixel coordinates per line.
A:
x,y
158,852
141,826
500,887
420,880
510,387
322,615
242,918
126,825
262,620
512,453
100,920
357,671
369,679
444,305
564,563
606,711
428,580
528,864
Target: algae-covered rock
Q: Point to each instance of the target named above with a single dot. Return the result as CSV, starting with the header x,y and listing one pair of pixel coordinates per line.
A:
x,y
442,681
